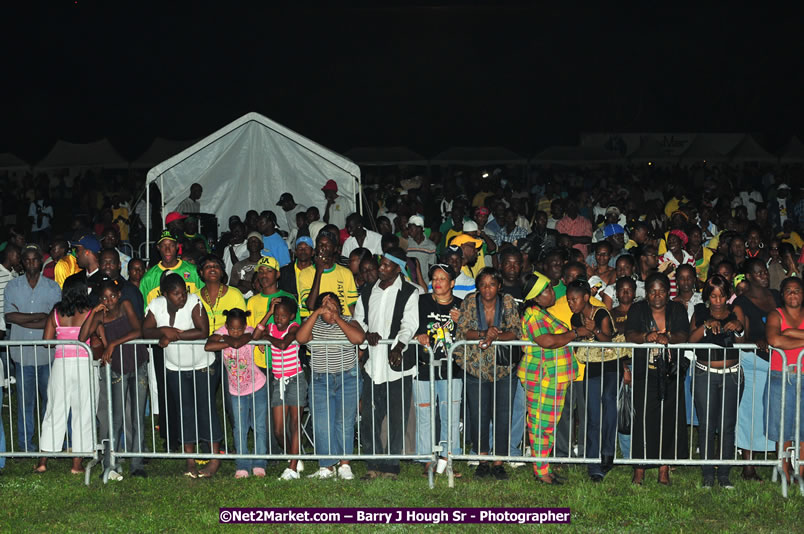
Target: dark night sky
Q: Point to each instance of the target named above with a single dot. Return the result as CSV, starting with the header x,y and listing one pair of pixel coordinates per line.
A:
x,y
419,75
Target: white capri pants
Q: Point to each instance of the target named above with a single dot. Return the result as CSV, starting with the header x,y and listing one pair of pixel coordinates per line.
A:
x,y
72,388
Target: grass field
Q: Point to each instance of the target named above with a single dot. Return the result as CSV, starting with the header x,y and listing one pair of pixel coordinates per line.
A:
x,y
168,502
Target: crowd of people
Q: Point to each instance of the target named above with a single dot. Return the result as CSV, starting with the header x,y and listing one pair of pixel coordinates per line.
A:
x,y
698,255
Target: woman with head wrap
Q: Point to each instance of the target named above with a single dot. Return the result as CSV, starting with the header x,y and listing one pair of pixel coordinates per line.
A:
x,y
546,370
675,256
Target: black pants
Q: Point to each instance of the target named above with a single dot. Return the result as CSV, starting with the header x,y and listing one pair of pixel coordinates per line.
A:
x,y
716,398
392,400
489,402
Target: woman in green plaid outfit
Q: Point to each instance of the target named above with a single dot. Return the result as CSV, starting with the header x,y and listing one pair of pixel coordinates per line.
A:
x,y
547,367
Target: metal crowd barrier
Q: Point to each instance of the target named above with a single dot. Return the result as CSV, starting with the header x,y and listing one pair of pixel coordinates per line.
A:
x,y
187,423
58,401
471,441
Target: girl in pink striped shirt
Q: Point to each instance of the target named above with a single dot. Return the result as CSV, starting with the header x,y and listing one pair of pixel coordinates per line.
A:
x,y
289,387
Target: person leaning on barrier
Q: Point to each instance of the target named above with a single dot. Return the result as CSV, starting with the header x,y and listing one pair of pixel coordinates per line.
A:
x,y
718,381
334,382
177,315
602,375
70,389
756,303
387,310
785,331
115,321
658,429
626,288
546,370
488,316
438,318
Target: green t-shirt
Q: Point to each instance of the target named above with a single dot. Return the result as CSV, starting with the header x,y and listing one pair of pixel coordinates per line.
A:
x,y
149,285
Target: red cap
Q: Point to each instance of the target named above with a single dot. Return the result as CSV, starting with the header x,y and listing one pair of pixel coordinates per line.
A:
x,y
330,186
174,216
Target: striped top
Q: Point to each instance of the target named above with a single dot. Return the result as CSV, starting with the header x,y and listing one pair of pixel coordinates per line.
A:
x,y
331,358
284,363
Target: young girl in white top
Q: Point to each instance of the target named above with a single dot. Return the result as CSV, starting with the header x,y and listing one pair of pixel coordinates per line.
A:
x,y
289,387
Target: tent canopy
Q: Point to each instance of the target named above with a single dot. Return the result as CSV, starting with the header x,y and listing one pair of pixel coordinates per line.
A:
x,y
10,162
385,156
478,156
701,150
793,151
248,164
650,150
160,150
749,150
100,154
575,155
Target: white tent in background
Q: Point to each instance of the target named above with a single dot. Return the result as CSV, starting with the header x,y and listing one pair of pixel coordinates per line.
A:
x,y
575,155
478,156
650,150
792,152
98,154
248,164
748,150
160,150
10,162
370,156
700,150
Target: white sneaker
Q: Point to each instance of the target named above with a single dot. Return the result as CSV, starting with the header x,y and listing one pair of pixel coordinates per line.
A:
x,y
323,472
299,466
473,462
114,475
289,474
516,465
345,472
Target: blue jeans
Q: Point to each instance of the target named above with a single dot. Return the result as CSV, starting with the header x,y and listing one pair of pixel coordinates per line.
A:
x,y
625,444
29,379
421,396
601,417
488,402
517,418
333,402
249,411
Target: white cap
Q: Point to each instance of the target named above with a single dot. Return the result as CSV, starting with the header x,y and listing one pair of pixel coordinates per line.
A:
x,y
470,226
417,220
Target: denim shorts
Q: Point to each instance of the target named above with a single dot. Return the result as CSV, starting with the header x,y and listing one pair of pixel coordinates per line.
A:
x,y
775,415
294,391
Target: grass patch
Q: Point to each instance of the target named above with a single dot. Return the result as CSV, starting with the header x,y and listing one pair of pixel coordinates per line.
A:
x,y
168,502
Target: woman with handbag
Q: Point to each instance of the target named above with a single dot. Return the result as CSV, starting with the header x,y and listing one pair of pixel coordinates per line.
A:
x,y
602,378
488,316
658,429
717,383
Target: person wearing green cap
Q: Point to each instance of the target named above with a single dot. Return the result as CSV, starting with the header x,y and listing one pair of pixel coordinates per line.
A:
x,y
546,369
168,248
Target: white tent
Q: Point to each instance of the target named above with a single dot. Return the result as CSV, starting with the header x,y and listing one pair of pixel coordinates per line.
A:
x,y
248,164
10,162
650,150
575,155
385,156
100,154
749,150
701,149
160,150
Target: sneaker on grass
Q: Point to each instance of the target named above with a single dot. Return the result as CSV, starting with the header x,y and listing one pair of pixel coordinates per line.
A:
x,y
289,474
323,472
345,472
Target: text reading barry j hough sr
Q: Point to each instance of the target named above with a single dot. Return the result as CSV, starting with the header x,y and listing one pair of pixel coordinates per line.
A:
x,y
395,515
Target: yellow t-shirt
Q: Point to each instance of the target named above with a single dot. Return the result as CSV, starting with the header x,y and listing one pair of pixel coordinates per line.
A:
x,y
338,279
561,311
121,212
232,299
66,267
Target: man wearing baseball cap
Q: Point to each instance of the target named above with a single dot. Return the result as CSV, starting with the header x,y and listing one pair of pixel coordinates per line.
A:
x,y
291,208
470,247
335,212
419,246
289,274
243,271
87,254
168,248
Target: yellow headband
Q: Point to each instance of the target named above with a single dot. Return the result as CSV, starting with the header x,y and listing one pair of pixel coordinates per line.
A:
x,y
540,285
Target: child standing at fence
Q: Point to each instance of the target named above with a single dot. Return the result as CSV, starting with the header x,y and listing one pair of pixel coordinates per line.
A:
x,y
115,322
248,400
289,387
72,385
